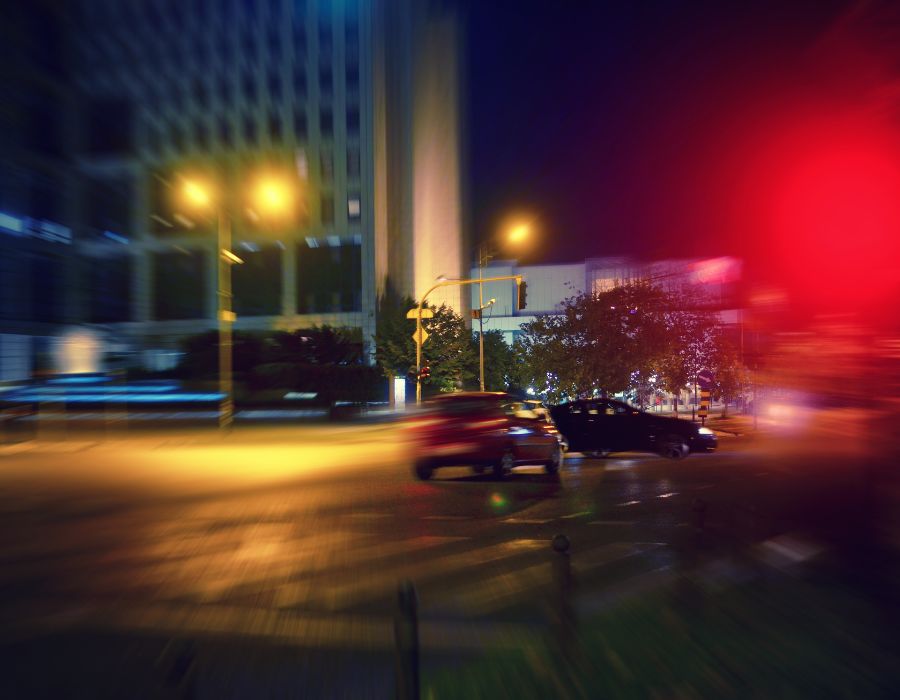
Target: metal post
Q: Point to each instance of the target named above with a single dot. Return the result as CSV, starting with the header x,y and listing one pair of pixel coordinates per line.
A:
x,y
419,354
406,638
564,614
226,319
481,317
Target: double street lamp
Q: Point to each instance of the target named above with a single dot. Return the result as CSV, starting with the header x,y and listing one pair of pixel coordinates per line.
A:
x,y
273,197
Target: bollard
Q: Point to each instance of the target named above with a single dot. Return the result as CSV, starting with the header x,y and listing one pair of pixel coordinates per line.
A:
x,y
564,612
406,638
698,507
181,676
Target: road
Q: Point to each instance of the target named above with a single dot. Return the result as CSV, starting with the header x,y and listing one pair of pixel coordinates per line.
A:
x,y
298,537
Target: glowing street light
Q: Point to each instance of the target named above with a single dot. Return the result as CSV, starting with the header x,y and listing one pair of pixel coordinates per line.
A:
x,y
196,194
515,235
273,197
518,233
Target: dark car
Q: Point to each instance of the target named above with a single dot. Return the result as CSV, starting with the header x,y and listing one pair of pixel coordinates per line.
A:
x,y
597,427
481,430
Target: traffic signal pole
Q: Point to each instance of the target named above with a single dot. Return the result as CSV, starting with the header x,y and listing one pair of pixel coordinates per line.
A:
x,y
418,334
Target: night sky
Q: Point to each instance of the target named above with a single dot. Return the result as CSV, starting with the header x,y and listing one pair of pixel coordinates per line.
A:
x,y
638,127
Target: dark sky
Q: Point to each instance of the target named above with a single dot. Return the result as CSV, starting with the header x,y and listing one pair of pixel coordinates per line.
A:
x,y
619,125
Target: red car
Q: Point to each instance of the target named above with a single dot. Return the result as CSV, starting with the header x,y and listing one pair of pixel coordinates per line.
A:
x,y
481,429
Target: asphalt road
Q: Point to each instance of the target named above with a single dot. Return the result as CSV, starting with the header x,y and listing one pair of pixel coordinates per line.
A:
x,y
298,537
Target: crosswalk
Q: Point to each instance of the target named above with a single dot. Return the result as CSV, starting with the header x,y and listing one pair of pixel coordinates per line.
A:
x,y
236,574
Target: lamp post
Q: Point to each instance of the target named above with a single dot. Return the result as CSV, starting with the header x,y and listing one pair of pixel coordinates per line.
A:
x,y
517,234
417,336
273,196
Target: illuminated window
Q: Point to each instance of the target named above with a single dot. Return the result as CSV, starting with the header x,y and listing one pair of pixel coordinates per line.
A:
x,y
353,207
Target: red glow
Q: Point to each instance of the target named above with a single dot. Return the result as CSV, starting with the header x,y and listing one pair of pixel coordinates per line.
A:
x,y
830,209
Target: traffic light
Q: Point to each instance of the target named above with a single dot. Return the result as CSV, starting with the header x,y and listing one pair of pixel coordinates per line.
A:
x,y
424,373
522,289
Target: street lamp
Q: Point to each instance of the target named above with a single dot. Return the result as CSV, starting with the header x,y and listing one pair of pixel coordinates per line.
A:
x,y
272,196
516,234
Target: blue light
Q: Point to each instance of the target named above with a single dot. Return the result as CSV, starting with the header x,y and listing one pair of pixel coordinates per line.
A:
x,y
110,397
116,237
12,224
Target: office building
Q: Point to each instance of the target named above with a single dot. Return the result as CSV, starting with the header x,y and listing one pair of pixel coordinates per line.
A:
x,y
356,100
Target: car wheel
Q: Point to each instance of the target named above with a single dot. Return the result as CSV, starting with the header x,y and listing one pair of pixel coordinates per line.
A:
x,y
674,447
478,468
598,454
423,470
505,464
555,462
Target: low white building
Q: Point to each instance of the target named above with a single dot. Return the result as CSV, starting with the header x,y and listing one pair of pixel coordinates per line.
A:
x,y
548,286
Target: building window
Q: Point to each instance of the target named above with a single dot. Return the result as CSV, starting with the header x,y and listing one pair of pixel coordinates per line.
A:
x,y
299,37
224,89
352,73
353,162
325,34
326,159
176,138
299,82
327,209
352,32
326,80
224,131
257,282
179,285
201,135
249,128
326,122
249,84
329,275
274,86
353,120
274,127
354,207
300,127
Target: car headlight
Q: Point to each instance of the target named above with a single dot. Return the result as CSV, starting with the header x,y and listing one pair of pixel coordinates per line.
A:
x,y
705,431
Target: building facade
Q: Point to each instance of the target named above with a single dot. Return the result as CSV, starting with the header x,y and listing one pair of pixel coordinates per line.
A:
x,y
550,285
357,101
39,282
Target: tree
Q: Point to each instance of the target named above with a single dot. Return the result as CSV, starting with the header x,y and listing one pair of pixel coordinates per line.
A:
x,y
395,350
596,344
498,361
448,350
690,344
731,376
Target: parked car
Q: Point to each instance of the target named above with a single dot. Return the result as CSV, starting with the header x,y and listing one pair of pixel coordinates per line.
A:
x,y
597,427
481,430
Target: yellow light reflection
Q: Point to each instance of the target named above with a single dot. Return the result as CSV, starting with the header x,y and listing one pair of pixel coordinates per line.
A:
x,y
519,233
273,196
196,194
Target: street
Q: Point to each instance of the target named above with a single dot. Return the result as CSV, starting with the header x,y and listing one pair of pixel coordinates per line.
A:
x,y
298,537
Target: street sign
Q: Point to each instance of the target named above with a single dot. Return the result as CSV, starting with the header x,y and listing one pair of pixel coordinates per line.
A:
x,y
705,379
414,313
420,339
